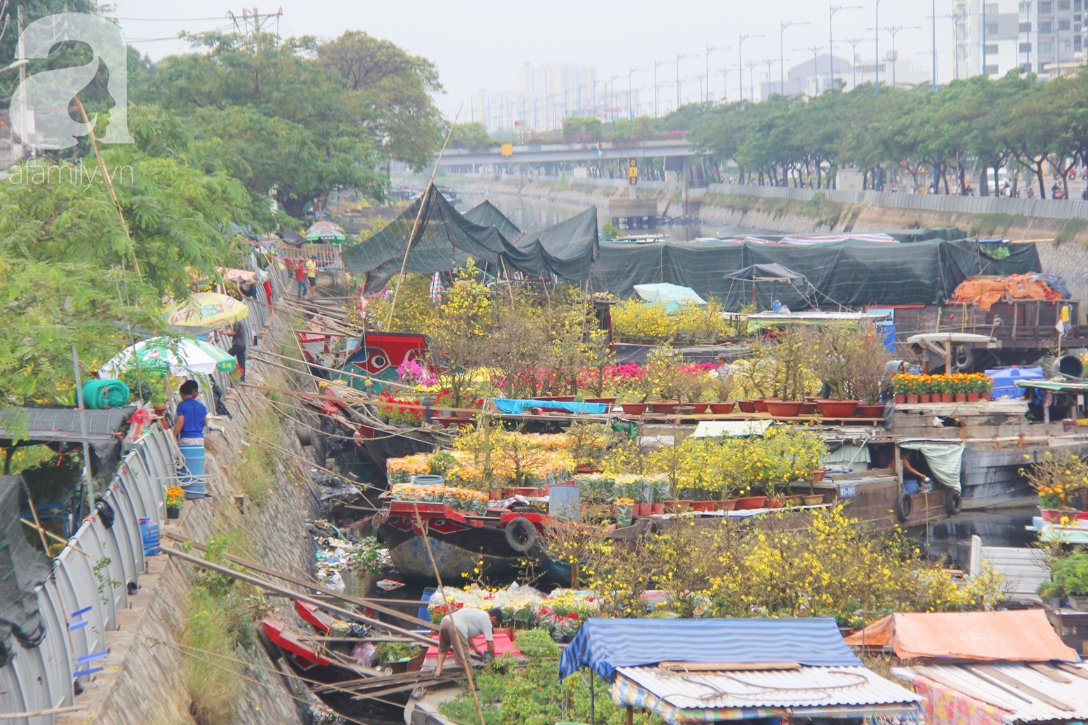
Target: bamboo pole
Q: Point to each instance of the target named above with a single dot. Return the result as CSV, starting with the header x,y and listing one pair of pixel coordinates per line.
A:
x,y
415,225
269,586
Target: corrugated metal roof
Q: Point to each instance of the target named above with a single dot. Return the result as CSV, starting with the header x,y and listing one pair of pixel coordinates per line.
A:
x,y
46,425
802,688
1021,689
605,644
731,428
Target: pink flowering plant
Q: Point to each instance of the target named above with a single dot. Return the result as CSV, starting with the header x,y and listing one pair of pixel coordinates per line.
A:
x,y
414,372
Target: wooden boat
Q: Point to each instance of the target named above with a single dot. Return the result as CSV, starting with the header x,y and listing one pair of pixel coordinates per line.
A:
x,y
355,692
458,539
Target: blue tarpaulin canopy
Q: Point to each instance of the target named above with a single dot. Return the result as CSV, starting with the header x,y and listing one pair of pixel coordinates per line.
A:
x,y
605,644
512,406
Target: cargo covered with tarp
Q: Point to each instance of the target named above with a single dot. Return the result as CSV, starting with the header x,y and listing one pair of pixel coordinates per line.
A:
x,y
850,273
986,291
567,250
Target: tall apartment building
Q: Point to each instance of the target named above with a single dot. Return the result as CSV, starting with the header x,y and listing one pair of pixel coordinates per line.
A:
x,y
549,93
1045,36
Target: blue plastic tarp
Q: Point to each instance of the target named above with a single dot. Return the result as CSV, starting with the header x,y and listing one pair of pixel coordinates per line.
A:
x,y
605,644
511,406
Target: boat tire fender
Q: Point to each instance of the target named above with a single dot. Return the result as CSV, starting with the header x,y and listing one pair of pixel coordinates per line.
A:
x,y
304,435
904,507
521,534
953,502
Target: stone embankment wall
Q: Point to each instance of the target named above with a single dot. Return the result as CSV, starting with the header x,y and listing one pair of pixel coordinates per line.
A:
x,y
142,682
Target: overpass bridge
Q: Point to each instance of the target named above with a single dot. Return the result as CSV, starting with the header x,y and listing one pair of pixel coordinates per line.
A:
x,y
567,153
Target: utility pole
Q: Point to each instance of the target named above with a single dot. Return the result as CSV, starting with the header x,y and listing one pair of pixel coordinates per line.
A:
x,y
782,55
740,59
752,79
854,42
657,87
769,62
934,16
678,59
815,50
710,49
831,41
984,39
254,20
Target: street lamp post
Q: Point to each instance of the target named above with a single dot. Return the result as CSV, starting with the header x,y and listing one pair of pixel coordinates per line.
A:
x,y
740,59
893,30
815,50
725,84
752,79
612,93
657,87
678,59
876,42
769,62
782,55
934,17
831,41
1027,46
854,42
984,38
710,49
630,90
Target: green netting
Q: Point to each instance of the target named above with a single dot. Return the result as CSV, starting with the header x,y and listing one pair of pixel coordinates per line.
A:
x,y
22,570
488,215
566,250
849,273
444,240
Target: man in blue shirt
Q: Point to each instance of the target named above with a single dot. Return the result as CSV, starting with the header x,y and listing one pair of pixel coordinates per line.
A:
x,y
191,414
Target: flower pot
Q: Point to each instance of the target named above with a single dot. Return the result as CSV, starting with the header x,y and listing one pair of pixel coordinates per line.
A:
x,y
818,474
727,505
814,499
747,406
809,408
494,494
1054,516
959,397
663,408
1079,603
925,397
703,505
874,410
783,408
972,397
721,408
643,509
775,502
698,408
586,468
911,398
606,401
750,502
985,396
900,398
761,406
633,408
837,408
947,398
656,509
173,513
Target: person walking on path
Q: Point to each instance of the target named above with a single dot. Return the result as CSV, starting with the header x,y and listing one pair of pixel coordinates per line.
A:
x,y
191,416
464,625
300,277
311,275
239,334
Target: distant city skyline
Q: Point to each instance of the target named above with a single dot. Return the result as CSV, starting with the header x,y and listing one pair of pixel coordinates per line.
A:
x,y
481,46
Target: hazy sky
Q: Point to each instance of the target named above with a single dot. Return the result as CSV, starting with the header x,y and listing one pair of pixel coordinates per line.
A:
x,y
480,44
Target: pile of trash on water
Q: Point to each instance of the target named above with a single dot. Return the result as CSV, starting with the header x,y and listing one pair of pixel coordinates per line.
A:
x,y
338,551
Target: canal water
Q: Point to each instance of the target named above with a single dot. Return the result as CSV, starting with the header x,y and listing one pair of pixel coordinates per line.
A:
x,y
533,215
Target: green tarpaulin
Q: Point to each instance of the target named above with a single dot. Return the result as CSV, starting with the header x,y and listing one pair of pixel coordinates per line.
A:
x,y
945,458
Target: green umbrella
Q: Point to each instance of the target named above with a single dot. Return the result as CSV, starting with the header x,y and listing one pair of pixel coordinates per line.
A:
x,y
324,232
178,356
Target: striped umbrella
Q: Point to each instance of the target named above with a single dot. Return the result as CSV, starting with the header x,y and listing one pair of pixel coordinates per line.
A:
x,y
178,356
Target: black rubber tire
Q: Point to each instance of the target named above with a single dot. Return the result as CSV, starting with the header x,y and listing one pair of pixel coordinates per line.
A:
x,y
953,502
304,435
904,507
521,534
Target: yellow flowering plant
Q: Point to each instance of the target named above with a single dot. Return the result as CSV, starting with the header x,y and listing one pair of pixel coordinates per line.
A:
x,y
1058,479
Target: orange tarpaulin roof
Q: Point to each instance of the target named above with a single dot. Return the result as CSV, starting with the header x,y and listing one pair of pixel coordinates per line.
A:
x,y
988,290
1017,636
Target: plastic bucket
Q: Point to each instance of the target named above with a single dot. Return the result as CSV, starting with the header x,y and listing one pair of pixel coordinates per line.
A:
x,y
192,478
427,479
910,486
149,532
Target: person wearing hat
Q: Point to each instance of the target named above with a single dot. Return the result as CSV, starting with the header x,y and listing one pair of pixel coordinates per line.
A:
x,y
465,625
